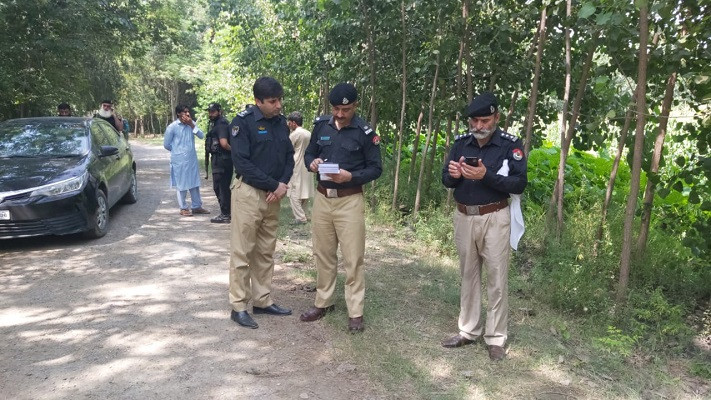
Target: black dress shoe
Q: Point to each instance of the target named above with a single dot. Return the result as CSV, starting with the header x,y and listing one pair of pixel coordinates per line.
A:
x,y
456,341
273,309
243,318
221,219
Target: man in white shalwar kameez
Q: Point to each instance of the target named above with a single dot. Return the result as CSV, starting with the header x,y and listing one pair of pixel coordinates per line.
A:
x,y
301,186
179,139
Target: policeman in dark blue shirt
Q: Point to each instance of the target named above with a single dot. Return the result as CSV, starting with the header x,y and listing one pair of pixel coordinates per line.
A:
x,y
263,158
483,167
338,213
218,146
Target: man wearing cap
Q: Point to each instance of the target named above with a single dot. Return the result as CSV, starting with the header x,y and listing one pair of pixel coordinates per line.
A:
x,y
484,166
344,139
63,110
106,112
263,159
301,186
218,147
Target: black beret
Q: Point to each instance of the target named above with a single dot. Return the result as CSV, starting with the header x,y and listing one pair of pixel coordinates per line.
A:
x,y
343,94
483,105
214,107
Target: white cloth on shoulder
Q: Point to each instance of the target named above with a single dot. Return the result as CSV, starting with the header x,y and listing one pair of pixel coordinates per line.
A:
x,y
517,225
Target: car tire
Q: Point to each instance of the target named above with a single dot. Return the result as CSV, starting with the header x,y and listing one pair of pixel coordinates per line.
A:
x,y
132,195
100,218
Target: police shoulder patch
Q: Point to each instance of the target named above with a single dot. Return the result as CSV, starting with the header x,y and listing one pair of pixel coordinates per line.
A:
x,y
322,118
368,130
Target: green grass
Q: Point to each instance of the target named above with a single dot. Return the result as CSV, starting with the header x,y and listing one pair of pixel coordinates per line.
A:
x,y
412,303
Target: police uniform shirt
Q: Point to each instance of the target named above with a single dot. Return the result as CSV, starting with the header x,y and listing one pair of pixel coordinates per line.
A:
x,y
493,187
262,153
220,129
355,148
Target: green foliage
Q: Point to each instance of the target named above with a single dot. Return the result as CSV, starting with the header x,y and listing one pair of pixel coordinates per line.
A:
x,y
615,342
658,322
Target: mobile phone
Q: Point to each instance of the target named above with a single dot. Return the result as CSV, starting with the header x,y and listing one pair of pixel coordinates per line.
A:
x,y
473,161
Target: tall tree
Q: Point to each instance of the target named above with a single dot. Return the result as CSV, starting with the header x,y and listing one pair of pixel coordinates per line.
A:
x,y
636,168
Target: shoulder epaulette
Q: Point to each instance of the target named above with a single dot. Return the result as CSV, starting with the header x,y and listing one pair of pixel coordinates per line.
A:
x,y
508,136
245,112
360,122
322,118
462,136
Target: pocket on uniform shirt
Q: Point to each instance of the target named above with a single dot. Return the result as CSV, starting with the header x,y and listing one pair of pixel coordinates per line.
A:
x,y
350,145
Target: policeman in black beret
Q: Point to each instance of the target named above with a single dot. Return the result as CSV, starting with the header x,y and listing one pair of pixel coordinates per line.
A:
x,y
484,166
218,147
263,158
345,139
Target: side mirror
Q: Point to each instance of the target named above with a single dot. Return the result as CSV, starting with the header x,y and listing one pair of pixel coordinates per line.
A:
x,y
107,151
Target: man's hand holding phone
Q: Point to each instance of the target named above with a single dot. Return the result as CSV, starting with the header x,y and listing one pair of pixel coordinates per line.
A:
x,y
472,168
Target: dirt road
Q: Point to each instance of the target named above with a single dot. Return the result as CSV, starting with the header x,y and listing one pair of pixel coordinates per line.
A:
x,y
143,314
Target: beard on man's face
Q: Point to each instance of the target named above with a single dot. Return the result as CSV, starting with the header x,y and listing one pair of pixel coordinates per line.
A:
x,y
482,133
105,113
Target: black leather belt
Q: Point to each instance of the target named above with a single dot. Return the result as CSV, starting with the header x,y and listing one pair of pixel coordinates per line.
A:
x,y
333,193
482,209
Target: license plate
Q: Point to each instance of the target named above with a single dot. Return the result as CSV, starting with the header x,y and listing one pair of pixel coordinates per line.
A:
x,y
4,215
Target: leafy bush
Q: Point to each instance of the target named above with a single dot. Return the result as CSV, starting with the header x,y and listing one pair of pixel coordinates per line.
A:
x,y
660,323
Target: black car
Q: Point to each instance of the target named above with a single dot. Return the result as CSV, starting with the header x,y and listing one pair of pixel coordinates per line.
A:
x,y
61,175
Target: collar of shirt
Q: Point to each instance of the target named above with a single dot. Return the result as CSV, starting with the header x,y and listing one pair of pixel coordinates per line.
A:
x,y
352,124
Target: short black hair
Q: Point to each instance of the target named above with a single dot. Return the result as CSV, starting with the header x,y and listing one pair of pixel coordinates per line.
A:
x,y
267,87
296,117
107,102
63,106
180,108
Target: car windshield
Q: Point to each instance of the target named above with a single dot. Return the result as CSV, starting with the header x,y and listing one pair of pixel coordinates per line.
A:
x,y
48,138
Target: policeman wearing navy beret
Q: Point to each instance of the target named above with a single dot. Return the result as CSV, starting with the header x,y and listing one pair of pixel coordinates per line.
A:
x,y
345,139
484,167
263,157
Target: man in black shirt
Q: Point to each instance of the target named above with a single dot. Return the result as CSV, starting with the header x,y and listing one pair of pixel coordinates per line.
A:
x,y
106,112
263,158
483,167
218,146
338,213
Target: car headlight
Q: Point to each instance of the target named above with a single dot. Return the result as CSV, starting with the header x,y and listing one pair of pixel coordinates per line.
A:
x,y
70,185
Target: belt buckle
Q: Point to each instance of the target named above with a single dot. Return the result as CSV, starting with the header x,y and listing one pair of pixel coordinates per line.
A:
x,y
331,193
472,210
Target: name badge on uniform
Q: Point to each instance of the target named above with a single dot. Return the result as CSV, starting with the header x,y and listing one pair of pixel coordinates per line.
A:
x,y
262,130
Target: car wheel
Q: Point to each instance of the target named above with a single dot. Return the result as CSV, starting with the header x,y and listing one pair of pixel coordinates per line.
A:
x,y
132,195
100,218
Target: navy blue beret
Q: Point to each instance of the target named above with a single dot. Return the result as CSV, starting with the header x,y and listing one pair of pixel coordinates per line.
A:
x,y
483,105
342,94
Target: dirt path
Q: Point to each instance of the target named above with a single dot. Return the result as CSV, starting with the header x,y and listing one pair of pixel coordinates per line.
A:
x,y
142,314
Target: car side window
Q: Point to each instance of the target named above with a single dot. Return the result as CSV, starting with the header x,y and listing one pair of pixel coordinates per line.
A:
x,y
99,136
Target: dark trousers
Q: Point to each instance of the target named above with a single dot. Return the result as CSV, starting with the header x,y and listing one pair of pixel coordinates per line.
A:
x,y
221,179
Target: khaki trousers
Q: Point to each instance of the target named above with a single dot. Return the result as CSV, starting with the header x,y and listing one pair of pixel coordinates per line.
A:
x,y
253,241
484,238
298,205
339,221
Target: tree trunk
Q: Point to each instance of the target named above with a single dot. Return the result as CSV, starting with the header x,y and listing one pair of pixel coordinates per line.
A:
x,y
562,119
372,109
559,188
403,108
654,168
514,97
534,88
611,181
637,157
433,95
416,145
